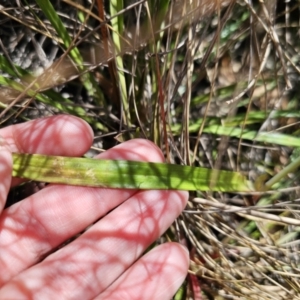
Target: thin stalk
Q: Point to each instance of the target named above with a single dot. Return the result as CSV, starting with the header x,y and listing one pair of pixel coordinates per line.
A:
x,y
284,172
117,30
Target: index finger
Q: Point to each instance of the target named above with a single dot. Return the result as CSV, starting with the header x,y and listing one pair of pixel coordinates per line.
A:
x,y
57,135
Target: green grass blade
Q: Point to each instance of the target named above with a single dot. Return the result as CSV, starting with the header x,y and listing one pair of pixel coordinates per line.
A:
x,y
290,168
117,24
51,98
272,137
87,79
125,174
13,70
265,137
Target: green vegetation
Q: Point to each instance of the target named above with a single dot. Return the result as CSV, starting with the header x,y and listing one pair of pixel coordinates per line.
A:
x,y
215,87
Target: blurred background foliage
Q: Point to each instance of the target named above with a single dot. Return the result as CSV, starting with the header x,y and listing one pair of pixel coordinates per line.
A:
x,y
212,83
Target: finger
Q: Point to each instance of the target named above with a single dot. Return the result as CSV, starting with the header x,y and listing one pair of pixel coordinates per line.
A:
x,y
58,135
157,275
48,218
87,266
5,172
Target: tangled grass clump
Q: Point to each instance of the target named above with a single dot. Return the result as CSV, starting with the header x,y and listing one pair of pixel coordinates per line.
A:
x,y
212,83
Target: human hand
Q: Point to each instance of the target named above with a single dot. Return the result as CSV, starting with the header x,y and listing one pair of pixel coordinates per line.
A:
x,y
105,261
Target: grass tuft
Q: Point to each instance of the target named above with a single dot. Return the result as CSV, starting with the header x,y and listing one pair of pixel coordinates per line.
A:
x,y
214,84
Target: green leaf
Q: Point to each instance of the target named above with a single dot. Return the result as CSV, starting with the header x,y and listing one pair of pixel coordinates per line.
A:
x,y
125,174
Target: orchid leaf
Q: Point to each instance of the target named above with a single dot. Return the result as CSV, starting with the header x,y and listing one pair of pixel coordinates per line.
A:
x,y
125,174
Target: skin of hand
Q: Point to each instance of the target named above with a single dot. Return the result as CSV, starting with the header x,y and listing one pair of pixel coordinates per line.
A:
x,y
107,260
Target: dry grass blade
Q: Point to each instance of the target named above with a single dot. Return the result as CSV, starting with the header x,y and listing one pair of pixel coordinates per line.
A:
x,y
59,72
214,84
